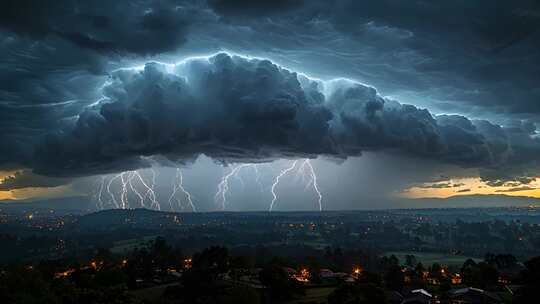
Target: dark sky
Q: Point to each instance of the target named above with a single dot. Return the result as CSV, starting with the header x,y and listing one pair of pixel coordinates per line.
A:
x,y
387,97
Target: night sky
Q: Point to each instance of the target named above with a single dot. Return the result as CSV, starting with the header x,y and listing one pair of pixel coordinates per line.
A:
x,y
244,105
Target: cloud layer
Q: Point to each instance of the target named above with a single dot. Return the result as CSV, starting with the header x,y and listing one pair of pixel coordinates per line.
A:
x,y
478,59
236,109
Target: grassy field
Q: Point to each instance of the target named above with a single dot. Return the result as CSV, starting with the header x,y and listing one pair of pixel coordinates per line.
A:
x,y
428,258
125,246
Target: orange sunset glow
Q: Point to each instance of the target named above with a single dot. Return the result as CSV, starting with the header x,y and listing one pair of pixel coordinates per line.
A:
x,y
471,186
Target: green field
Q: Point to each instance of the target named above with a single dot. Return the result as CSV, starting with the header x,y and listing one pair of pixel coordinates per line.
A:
x,y
126,246
428,258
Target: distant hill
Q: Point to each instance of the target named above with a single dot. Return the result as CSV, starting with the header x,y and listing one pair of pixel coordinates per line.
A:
x,y
83,204
78,203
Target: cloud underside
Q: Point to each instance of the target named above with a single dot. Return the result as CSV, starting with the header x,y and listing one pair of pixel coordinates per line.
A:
x,y
236,109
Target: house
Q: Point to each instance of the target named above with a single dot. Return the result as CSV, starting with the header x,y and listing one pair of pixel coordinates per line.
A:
x,y
326,273
472,295
417,296
456,279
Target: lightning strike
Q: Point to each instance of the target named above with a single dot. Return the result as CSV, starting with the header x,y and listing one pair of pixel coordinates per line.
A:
x,y
134,189
307,173
178,185
150,193
223,187
131,184
276,182
313,181
110,192
99,195
124,192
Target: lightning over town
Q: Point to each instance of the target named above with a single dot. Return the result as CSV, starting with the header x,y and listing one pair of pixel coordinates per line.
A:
x,y
261,152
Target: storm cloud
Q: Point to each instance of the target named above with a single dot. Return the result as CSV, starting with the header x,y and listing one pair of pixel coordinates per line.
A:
x,y
123,27
438,81
237,109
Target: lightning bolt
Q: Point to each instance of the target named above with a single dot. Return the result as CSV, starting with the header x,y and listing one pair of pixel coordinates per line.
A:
x,y
188,195
98,196
131,183
257,180
308,175
302,173
110,192
257,175
178,185
276,182
124,192
150,193
223,187
131,176
175,189
313,181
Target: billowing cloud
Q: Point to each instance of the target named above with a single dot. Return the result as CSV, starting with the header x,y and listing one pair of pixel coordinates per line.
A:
x,y
236,109
481,64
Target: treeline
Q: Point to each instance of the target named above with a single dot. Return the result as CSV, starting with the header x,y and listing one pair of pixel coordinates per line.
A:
x,y
213,275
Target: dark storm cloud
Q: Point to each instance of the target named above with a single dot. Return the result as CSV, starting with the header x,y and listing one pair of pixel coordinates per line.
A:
x,y
248,8
229,108
42,85
483,53
234,109
479,59
138,27
54,54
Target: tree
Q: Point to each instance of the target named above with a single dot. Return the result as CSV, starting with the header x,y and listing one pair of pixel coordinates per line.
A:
x,y
104,257
22,285
110,277
163,255
531,280
394,278
479,275
388,262
201,279
500,261
410,260
436,271
370,278
278,282
335,257
420,269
